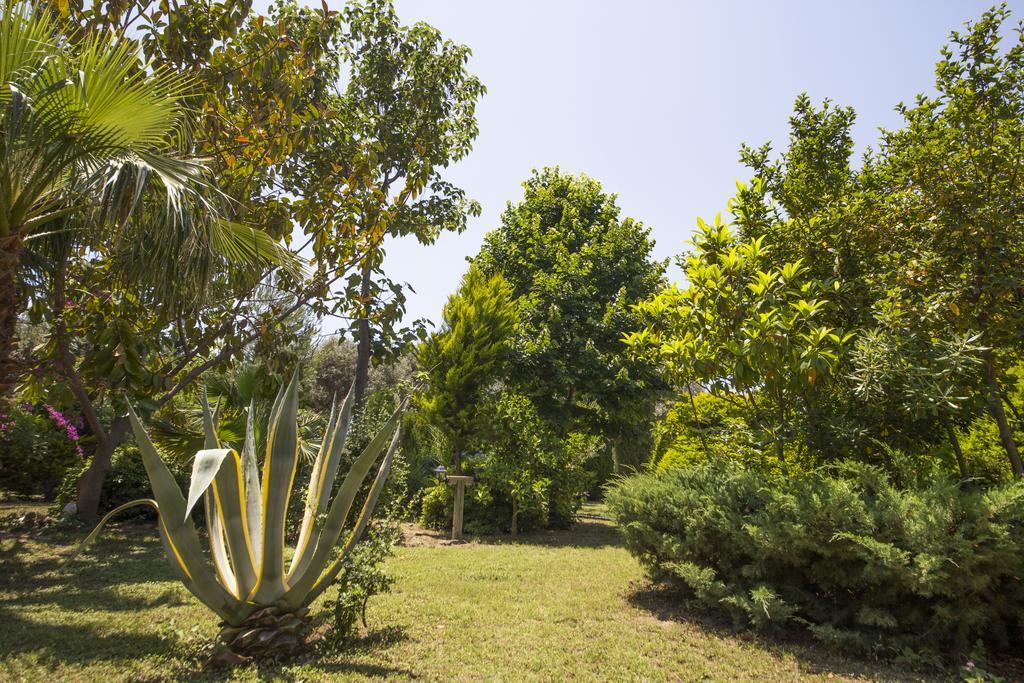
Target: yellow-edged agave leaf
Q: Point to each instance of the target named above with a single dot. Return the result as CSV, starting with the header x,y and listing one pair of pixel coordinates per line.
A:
x,y
94,534
315,480
169,548
204,468
180,531
303,582
217,473
280,462
327,577
251,484
249,589
321,481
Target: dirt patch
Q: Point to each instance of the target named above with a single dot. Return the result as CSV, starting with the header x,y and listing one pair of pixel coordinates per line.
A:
x,y
415,536
588,532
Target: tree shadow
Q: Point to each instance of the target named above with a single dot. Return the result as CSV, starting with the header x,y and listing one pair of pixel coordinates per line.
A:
x,y
322,657
666,603
42,577
74,643
378,638
587,532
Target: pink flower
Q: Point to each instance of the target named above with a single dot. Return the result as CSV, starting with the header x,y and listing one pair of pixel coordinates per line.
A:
x,y
69,429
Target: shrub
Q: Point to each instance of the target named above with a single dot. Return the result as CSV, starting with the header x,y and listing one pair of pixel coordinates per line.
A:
x,y
362,576
678,435
859,563
486,510
126,481
37,446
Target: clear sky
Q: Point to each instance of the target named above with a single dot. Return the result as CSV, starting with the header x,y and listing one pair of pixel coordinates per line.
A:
x,y
654,98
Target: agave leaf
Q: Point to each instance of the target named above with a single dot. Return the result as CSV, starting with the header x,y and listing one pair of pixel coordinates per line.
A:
x,y
309,512
169,548
204,469
94,534
327,577
226,511
181,533
218,544
303,581
279,466
209,422
230,496
251,483
321,481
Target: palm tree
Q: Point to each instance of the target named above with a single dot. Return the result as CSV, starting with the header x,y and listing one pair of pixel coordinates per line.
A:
x,y
82,125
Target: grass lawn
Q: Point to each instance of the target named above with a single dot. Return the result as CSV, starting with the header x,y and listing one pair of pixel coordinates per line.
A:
x,y
554,605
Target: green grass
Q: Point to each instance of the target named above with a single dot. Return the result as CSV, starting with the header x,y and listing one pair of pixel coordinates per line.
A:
x,y
554,605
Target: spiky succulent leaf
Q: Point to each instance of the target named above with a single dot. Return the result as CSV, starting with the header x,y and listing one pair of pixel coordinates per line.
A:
x,y
217,473
186,553
303,582
321,482
251,483
329,575
279,465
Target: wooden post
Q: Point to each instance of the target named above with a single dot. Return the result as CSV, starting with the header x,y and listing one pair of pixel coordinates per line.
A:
x,y
460,500
460,482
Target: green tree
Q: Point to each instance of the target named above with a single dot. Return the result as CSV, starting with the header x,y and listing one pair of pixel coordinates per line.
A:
x,y
76,120
745,332
538,470
906,370
465,358
261,84
952,179
575,267
406,113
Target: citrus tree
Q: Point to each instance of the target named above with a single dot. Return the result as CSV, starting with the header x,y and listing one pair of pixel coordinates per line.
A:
x,y
746,332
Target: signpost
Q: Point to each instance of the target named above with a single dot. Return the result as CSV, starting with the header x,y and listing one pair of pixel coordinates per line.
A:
x,y
460,482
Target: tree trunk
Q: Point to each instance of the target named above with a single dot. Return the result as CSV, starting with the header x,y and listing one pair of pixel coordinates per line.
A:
x,y
780,444
961,463
995,403
515,517
781,455
363,337
696,421
90,484
10,257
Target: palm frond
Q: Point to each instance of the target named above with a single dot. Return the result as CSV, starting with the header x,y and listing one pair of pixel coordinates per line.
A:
x,y
246,247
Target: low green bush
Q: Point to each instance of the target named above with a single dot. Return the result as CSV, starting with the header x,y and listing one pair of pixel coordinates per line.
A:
x,y
363,576
486,510
125,482
844,553
37,446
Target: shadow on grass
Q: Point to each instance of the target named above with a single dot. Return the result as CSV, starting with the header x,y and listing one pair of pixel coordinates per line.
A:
x,y
74,643
670,604
588,532
38,576
43,598
323,660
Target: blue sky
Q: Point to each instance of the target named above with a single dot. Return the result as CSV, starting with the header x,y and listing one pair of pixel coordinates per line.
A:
x,y
654,98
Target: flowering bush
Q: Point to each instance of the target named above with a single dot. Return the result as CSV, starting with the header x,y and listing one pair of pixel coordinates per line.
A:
x,y
36,448
70,430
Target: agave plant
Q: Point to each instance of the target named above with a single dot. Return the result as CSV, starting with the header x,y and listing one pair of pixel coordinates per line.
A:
x,y
262,600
